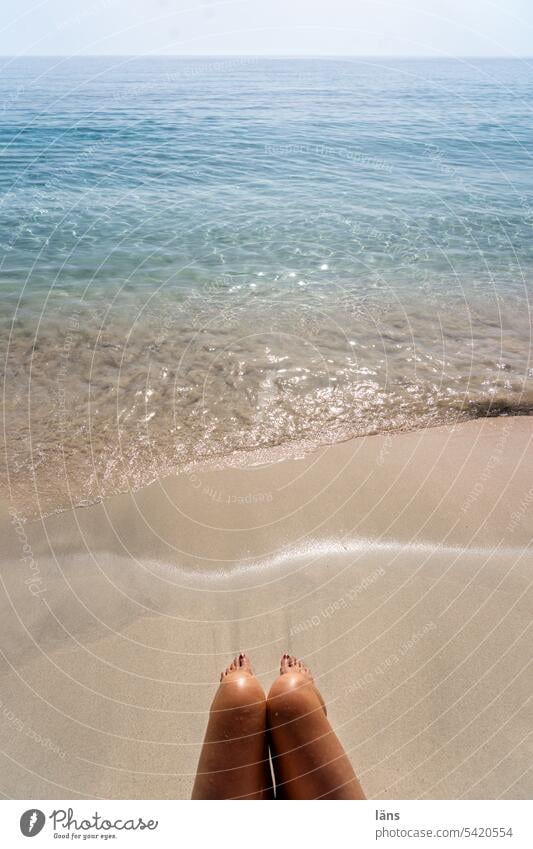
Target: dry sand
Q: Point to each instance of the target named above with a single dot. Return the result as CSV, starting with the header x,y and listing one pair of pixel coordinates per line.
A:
x,y
398,566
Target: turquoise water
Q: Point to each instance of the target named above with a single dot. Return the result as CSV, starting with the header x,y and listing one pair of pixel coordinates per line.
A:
x,y
203,255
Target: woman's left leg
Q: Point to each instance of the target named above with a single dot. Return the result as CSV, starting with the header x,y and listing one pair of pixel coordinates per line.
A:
x,y
234,761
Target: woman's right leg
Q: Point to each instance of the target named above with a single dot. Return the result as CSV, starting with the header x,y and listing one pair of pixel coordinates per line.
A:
x,y
308,758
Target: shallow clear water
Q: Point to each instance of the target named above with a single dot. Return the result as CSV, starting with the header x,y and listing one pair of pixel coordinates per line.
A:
x,y
205,255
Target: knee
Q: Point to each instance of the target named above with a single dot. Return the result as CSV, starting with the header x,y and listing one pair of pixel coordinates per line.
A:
x,y
242,693
291,696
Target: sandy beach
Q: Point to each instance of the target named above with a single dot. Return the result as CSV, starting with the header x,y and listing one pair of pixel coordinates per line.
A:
x,y
398,566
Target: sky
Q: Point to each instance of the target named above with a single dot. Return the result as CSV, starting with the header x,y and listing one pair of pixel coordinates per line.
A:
x,y
267,27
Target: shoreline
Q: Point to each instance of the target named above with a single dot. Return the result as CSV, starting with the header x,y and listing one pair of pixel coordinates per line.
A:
x,y
398,565
273,454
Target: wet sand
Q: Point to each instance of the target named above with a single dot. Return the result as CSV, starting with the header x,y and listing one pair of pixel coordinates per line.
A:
x,y
398,566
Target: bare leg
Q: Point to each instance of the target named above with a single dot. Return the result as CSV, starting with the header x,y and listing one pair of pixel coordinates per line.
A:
x,y
308,758
234,761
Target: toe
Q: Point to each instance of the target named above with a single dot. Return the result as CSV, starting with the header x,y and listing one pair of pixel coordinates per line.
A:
x,y
243,661
239,664
290,663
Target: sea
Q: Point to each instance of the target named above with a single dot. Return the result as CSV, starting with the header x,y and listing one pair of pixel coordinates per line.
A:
x,y
204,258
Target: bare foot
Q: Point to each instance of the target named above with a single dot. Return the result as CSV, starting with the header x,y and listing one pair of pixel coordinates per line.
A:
x,y
240,664
290,663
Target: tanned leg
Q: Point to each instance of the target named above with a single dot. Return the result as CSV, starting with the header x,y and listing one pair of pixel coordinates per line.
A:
x,y
234,762
308,758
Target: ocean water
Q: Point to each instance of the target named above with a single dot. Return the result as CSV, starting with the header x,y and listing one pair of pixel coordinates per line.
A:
x,y
206,256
